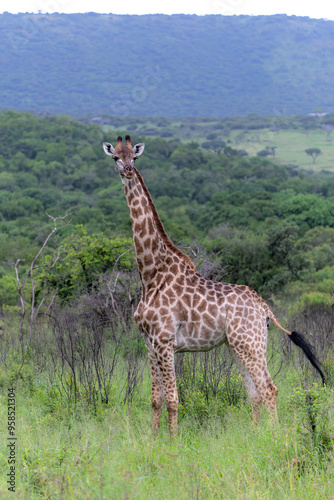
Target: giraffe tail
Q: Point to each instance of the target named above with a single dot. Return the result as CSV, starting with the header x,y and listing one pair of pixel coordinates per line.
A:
x,y
299,340
308,349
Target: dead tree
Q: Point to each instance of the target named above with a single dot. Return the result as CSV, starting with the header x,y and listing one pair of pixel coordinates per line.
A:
x,y
24,291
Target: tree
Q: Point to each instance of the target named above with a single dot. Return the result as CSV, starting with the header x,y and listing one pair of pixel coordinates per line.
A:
x,y
314,152
264,152
270,150
84,259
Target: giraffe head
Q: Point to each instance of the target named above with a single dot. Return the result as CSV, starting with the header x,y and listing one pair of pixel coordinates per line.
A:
x,y
124,155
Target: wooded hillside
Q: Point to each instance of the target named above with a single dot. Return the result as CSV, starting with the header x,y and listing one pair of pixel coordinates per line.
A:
x,y
271,224
158,65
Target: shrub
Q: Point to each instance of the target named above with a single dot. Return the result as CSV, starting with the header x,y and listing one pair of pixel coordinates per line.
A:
x,y
312,405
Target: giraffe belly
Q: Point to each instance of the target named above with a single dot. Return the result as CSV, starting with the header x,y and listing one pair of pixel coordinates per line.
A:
x,y
194,338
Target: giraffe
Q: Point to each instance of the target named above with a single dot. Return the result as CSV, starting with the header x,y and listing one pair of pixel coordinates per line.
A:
x,y
180,310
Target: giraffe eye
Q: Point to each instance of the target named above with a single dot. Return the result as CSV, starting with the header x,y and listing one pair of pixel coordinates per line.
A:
x,y
116,158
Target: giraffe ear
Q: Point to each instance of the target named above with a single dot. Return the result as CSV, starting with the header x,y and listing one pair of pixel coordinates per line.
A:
x,y
138,149
108,149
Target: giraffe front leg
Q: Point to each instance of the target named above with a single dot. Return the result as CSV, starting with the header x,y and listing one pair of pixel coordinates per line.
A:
x,y
165,357
157,393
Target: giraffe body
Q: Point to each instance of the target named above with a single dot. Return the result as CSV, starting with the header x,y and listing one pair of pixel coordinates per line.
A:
x,y
180,310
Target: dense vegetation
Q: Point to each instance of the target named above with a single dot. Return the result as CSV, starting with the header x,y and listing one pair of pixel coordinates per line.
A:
x,y
157,65
270,224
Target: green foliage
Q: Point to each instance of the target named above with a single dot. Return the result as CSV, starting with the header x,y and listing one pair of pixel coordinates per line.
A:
x,y
200,406
265,259
8,289
208,389
308,211
313,408
15,373
50,401
84,260
312,289
317,246
311,300
133,344
196,407
253,213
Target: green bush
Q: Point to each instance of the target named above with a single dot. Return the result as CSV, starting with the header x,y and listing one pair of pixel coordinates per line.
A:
x,y
209,388
313,300
312,405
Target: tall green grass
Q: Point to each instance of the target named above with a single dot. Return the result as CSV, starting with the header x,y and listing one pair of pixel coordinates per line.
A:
x,y
114,455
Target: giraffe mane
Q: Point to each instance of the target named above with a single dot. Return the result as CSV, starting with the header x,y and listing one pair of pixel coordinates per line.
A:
x,y
160,227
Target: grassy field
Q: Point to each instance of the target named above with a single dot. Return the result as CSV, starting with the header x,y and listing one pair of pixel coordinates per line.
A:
x,y
114,455
291,145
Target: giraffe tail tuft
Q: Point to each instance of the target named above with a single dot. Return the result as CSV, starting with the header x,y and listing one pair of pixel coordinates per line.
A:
x,y
299,340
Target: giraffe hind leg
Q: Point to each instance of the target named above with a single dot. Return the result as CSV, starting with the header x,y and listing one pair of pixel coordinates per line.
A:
x,y
264,385
256,366
270,396
253,394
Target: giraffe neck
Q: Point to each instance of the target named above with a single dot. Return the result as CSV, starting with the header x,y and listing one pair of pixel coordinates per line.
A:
x,y
152,245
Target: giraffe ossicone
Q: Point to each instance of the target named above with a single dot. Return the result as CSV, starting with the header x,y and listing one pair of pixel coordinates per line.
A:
x,y
181,311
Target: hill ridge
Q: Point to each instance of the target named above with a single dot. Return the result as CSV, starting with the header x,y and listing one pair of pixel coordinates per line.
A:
x,y
160,65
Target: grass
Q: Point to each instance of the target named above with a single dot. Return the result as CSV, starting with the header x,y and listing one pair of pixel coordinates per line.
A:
x,y
115,456
291,145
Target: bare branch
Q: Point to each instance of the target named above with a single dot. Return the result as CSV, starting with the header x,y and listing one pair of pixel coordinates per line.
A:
x,y
21,284
51,302
19,288
120,256
111,293
55,219
54,262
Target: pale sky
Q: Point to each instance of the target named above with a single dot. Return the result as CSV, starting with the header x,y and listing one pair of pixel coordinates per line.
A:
x,y
315,8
